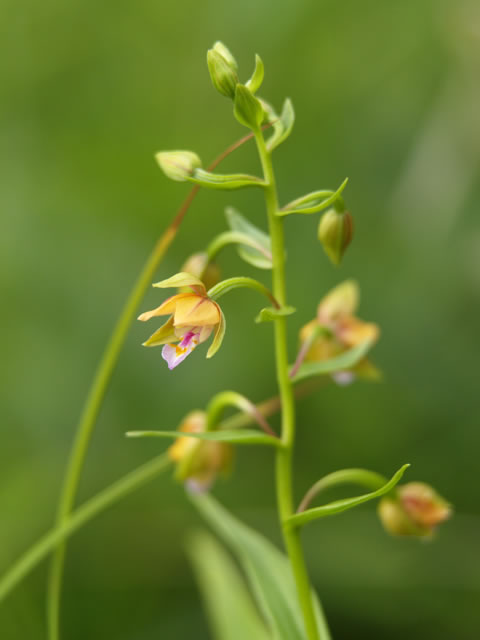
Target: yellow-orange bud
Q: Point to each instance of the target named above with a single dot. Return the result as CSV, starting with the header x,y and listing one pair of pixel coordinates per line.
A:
x,y
415,510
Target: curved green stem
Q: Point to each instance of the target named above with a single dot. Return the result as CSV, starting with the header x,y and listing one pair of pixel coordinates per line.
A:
x,y
362,477
284,456
106,498
225,286
97,392
225,399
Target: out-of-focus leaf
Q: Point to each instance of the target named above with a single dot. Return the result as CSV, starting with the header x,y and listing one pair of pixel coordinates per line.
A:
x,y
338,506
230,608
262,257
267,569
239,436
344,361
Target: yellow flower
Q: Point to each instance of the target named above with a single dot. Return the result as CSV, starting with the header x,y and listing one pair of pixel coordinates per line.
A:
x,y
336,329
193,317
199,462
414,510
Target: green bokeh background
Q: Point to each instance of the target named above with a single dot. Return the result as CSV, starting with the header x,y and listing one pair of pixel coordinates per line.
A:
x,y
385,92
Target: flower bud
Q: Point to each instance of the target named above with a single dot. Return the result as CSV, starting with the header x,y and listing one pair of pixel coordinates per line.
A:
x,y
335,232
415,510
199,461
223,70
199,266
178,165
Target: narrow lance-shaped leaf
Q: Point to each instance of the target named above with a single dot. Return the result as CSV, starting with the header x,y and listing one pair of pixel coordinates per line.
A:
x,y
338,506
282,128
267,569
224,182
258,258
241,436
269,314
230,608
313,202
345,360
257,77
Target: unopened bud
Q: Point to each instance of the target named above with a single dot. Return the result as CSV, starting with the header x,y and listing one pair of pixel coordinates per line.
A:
x,y
414,511
335,232
223,70
199,461
198,265
178,165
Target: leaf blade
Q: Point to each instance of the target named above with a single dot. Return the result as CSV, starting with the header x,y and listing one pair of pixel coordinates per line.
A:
x,y
260,259
345,360
234,436
338,506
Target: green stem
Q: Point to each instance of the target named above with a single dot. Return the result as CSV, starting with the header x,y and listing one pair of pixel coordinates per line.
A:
x,y
284,456
97,392
106,498
225,286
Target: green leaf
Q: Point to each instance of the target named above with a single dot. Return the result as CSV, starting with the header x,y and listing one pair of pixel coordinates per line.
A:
x,y
261,259
282,127
248,109
224,181
317,201
267,569
345,360
240,436
257,78
269,314
230,608
338,506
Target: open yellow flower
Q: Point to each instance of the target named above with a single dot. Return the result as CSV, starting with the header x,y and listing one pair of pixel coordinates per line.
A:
x,y
336,329
193,317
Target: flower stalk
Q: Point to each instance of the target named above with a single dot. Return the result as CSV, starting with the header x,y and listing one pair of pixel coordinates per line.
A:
x,y
284,456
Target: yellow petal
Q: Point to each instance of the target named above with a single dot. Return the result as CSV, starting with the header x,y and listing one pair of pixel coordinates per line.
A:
x,y
165,308
352,331
341,301
196,311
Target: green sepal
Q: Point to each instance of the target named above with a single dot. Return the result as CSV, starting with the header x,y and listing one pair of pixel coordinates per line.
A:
x,y
338,506
218,337
164,335
224,181
253,256
269,314
248,109
345,360
181,279
268,572
234,436
256,80
282,128
317,201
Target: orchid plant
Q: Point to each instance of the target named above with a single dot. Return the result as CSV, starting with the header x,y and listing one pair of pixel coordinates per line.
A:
x,y
332,347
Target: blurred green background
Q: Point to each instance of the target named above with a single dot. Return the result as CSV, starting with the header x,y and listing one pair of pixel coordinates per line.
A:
x,y
385,92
